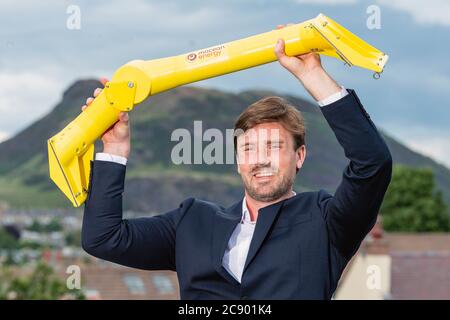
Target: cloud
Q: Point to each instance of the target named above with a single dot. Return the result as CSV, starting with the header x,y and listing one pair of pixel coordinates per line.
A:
x,y
437,148
431,12
431,142
25,96
438,83
327,2
170,15
4,136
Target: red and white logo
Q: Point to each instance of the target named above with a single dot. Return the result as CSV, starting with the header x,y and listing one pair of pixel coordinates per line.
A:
x,y
191,56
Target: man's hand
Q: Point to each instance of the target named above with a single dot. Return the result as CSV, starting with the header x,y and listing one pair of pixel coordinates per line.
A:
x,y
116,140
308,69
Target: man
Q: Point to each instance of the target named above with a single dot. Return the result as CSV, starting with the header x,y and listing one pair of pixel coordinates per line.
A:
x,y
273,244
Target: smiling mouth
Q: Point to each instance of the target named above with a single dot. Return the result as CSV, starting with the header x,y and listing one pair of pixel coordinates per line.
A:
x,y
264,174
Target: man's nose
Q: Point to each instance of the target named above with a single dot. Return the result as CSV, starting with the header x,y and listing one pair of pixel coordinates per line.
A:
x,y
263,157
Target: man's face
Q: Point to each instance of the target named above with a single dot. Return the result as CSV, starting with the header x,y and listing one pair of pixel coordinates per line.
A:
x,y
267,161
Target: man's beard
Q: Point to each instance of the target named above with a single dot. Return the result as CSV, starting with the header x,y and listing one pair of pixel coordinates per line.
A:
x,y
278,188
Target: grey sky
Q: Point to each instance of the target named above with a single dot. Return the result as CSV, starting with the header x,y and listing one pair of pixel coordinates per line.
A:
x,y
40,57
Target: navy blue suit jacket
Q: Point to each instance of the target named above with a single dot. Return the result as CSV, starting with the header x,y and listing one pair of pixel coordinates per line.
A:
x,y
300,245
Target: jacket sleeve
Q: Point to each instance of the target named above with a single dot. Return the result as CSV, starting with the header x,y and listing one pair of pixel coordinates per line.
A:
x,y
144,243
351,213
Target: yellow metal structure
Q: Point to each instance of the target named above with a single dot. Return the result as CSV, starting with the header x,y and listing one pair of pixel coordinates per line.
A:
x,y
71,150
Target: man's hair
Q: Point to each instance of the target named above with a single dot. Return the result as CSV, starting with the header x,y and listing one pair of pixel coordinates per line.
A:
x,y
272,109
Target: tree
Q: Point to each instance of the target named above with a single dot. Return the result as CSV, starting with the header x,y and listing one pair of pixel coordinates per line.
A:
x,y
35,226
42,284
412,204
7,241
53,225
74,238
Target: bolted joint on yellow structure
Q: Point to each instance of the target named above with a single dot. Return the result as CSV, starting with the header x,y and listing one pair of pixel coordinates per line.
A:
x,y
121,95
71,150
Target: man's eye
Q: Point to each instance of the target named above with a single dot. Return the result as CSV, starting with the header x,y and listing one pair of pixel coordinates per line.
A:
x,y
275,146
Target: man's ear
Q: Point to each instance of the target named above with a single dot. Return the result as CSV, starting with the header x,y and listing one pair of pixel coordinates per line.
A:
x,y
301,155
237,162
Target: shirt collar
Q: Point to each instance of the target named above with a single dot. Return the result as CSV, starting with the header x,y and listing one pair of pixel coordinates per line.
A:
x,y
246,213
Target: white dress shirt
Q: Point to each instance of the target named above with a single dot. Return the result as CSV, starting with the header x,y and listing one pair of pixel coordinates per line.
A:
x,y
333,98
237,249
239,243
110,157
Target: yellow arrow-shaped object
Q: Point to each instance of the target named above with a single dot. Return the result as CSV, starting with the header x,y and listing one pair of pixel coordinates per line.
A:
x,y
71,150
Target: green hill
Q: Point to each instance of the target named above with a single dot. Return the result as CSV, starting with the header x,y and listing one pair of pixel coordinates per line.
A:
x,y
154,183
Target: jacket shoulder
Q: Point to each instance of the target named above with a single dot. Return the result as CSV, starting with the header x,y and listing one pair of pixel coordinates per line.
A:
x,y
323,197
199,205
314,200
314,197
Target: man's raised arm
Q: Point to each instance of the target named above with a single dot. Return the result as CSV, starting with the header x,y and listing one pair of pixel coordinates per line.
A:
x,y
351,213
145,243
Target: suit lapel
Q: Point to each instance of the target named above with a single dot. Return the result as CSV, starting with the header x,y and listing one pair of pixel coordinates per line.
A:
x,y
225,221
266,217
